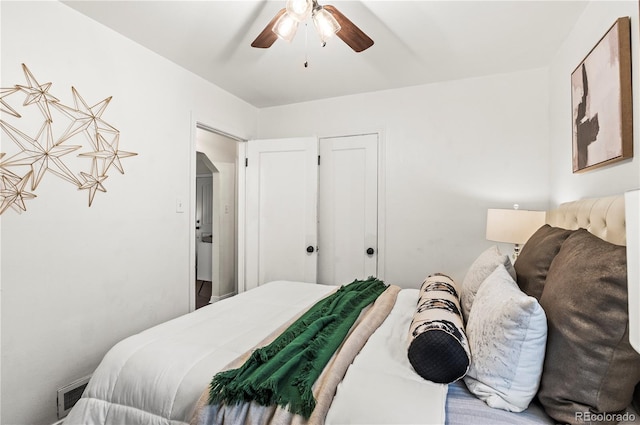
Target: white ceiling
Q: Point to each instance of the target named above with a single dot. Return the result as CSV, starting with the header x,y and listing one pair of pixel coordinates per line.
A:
x,y
416,42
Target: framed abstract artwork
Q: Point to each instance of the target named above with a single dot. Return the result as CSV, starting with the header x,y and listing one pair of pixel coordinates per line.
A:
x,y
601,102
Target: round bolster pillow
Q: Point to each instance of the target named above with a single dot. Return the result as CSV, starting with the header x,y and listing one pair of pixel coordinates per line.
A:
x,y
438,347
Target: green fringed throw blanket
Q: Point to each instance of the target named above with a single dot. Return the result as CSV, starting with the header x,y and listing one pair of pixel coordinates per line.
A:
x,y
283,372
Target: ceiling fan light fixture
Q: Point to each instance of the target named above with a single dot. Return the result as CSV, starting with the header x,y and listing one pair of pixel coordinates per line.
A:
x,y
328,20
326,25
285,27
299,10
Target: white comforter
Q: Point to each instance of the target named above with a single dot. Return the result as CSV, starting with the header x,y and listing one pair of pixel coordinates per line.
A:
x,y
381,387
157,376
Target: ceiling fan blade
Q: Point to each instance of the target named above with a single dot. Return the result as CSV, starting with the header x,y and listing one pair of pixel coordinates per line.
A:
x,y
349,32
267,37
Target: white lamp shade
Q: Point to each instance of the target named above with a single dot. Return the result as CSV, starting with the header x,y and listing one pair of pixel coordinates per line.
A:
x,y
299,10
326,25
632,218
513,226
285,27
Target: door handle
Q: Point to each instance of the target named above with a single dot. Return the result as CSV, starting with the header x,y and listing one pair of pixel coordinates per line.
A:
x,y
310,249
370,251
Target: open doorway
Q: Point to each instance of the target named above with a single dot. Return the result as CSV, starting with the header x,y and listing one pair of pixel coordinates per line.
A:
x,y
216,231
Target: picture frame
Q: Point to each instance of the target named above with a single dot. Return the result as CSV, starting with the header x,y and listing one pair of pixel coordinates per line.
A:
x,y
601,101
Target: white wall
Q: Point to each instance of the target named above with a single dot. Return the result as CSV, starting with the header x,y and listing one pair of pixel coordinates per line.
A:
x,y
452,150
75,279
595,21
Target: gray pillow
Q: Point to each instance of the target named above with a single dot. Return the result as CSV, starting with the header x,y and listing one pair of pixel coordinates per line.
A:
x,y
536,256
480,269
590,366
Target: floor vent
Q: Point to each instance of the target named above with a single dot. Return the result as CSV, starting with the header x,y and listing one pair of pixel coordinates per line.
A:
x,y
69,395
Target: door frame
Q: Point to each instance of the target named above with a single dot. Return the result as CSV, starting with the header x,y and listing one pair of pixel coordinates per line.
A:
x,y
197,122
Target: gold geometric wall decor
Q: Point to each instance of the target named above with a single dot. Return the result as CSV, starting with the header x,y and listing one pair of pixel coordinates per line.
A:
x,y
62,130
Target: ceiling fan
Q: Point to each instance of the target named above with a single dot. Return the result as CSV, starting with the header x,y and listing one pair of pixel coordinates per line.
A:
x,y
327,20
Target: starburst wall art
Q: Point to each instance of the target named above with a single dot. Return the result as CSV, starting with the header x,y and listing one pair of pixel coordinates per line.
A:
x,y
62,130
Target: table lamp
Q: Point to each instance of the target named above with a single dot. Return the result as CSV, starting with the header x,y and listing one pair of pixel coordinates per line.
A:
x,y
513,226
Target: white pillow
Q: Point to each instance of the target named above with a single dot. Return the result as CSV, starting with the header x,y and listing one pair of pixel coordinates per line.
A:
x,y
480,269
507,334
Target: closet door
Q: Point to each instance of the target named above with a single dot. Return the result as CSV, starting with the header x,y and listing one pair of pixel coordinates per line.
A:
x,y
348,209
281,210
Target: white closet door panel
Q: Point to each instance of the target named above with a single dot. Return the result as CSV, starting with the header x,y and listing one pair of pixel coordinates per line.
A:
x,y
282,181
348,208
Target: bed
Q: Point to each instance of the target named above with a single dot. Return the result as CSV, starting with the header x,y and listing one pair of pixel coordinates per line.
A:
x,y
377,376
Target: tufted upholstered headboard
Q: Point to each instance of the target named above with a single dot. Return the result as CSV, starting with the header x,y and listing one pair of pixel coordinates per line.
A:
x,y
604,217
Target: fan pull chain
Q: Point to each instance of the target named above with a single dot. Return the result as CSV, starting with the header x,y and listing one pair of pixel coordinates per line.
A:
x,y
306,44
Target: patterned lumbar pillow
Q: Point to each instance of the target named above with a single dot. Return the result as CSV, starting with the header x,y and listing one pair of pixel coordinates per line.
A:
x,y
438,348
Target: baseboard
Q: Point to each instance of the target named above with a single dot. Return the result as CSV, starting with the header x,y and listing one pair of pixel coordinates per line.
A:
x,y
215,298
